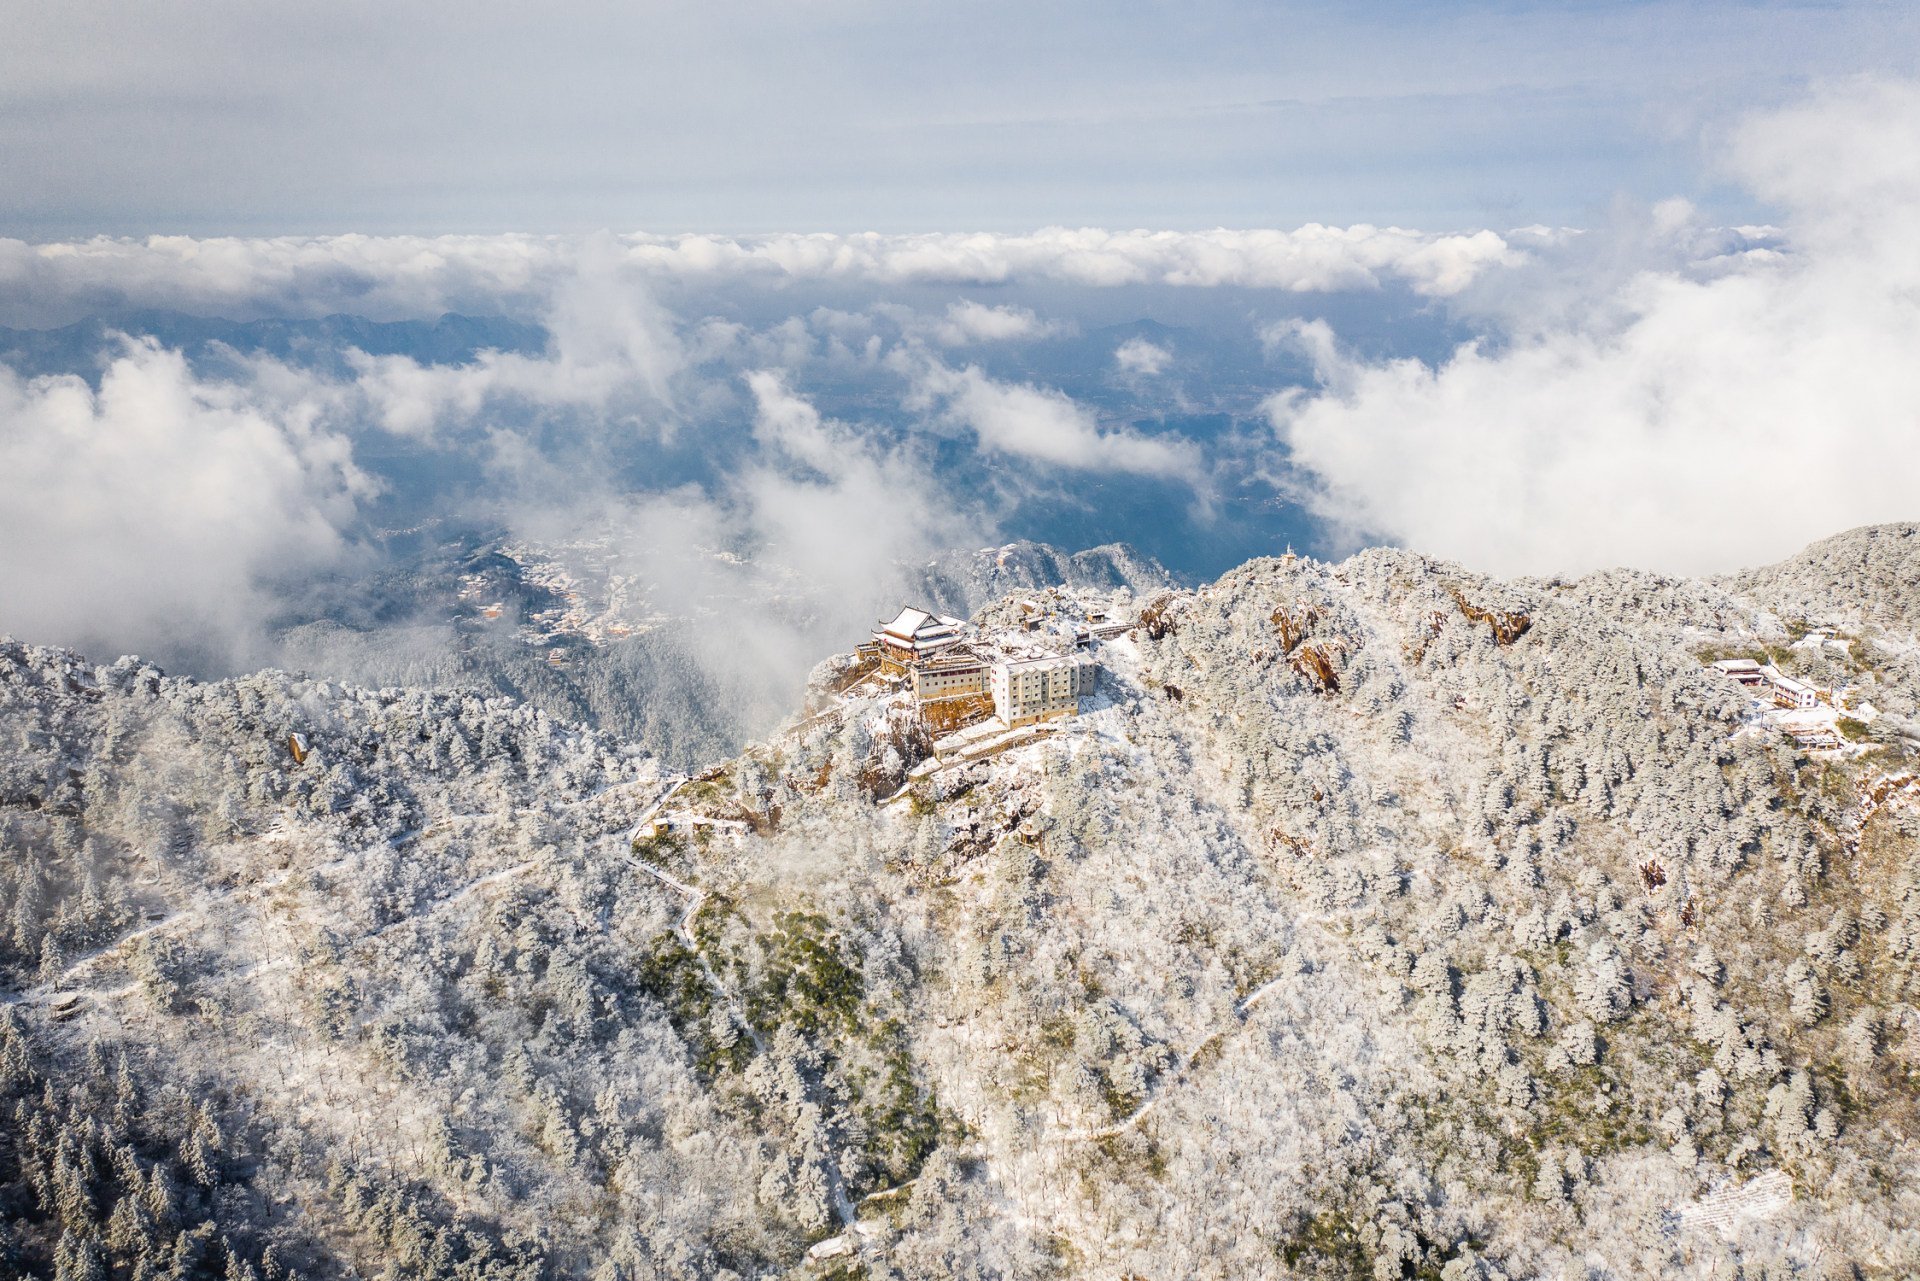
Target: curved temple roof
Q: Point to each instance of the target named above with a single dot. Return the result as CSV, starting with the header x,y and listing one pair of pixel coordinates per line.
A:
x,y
920,632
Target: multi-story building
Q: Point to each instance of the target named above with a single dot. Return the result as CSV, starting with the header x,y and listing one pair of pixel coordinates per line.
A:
x,y
1788,692
947,679
953,674
1035,689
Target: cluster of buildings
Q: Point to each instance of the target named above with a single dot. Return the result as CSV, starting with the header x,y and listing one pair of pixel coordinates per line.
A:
x,y
1787,692
957,679
1800,710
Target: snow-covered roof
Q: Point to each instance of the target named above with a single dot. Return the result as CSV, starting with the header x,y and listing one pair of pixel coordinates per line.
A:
x,y
1781,681
910,621
920,631
1047,664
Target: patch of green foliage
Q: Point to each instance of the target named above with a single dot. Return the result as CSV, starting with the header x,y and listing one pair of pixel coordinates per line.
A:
x,y
662,849
1329,1246
904,1123
1852,730
1568,1096
673,976
805,979
1131,1149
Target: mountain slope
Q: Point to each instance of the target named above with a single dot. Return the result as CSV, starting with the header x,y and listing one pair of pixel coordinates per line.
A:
x,y
1870,574
1373,919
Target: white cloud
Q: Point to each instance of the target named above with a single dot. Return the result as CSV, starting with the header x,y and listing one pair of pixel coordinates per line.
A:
x,y
823,520
1313,258
379,277
1047,426
1687,421
1138,356
854,511
155,507
385,277
968,322
610,344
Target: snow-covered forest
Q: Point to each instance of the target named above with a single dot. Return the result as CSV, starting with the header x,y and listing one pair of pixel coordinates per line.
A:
x,y
1375,919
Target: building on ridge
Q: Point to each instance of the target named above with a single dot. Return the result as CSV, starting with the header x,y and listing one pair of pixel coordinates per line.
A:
x,y
947,679
957,679
1038,689
916,636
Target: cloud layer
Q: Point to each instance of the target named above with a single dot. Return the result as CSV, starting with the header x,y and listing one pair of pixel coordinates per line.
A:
x,y
1654,392
1688,420
408,276
155,508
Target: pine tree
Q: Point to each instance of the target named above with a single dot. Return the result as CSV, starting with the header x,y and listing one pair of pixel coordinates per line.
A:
x,y
53,962
162,1201
127,1227
78,1259
198,1157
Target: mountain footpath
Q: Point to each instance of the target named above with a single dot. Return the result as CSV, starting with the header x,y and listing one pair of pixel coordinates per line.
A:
x,y
1373,919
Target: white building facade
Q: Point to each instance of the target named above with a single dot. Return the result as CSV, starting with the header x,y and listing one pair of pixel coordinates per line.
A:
x,y
1788,692
954,674
1035,689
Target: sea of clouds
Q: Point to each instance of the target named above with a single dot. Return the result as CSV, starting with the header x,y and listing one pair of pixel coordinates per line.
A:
x,y
1651,399
1653,390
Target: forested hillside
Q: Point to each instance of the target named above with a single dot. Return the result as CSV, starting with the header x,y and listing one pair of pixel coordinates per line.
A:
x,y
1375,919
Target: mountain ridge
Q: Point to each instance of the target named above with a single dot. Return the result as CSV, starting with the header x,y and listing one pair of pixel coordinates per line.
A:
x,y
1378,918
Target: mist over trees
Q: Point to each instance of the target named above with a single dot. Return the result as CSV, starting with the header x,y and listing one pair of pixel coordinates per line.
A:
x,y
686,689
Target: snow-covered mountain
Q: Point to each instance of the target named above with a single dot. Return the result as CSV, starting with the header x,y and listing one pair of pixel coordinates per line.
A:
x,y
1373,919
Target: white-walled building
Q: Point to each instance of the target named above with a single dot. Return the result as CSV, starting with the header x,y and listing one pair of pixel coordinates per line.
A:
x,y
1788,692
1034,689
950,675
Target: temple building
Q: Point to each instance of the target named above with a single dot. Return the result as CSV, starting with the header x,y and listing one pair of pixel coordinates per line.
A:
x,y
948,680
916,637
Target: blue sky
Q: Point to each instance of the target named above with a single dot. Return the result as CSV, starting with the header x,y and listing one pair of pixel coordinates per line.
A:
x,y
264,118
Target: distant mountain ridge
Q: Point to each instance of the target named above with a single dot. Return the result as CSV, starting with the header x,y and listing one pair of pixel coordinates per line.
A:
x,y
960,582
666,688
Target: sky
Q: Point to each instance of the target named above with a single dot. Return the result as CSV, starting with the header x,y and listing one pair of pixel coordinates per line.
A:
x,y
1542,289
270,117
